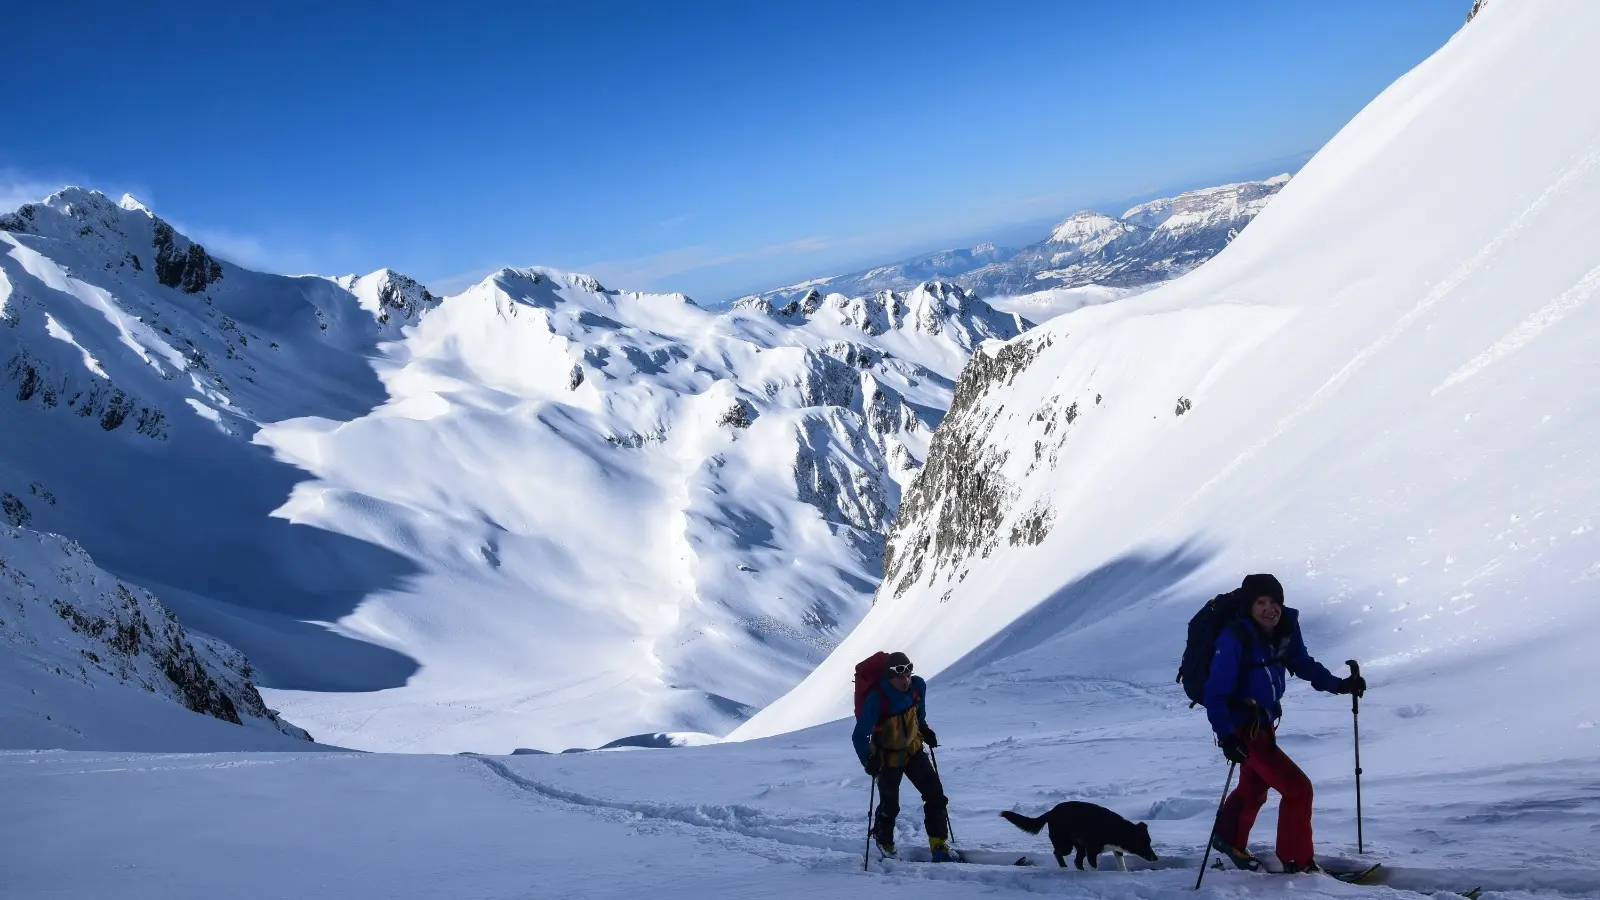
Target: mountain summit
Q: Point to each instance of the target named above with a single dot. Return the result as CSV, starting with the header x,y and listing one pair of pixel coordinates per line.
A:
x,y
538,513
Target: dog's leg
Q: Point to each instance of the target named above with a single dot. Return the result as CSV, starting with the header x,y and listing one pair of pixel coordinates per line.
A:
x,y
1122,865
1078,860
1061,860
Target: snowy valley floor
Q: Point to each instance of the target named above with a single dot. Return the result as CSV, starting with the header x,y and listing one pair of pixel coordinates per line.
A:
x,y
784,817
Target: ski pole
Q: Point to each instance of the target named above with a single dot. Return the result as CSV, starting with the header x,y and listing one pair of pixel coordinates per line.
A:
x,y
872,800
949,830
1355,718
1215,824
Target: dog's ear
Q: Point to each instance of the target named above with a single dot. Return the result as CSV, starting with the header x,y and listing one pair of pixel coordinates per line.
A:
x,y
1144,828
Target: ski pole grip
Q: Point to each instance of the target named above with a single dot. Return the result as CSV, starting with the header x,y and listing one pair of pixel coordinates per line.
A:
x,y
1355,672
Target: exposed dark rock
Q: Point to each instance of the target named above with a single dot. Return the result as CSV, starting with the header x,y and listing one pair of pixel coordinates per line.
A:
x,y
15,511
187,267
123,632
954,508
1034,525
21,220
739,415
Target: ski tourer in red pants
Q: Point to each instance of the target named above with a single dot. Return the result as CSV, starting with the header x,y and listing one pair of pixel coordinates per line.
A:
x,y
1249,671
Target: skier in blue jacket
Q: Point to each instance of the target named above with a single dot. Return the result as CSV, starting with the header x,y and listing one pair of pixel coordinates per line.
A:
x,y
1243,694
889,738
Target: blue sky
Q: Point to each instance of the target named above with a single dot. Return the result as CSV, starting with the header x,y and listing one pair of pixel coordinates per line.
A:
x,y
710,148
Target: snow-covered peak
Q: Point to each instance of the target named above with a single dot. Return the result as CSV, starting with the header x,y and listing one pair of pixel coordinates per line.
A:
x,y
653,515
388,295
1083,227
1152,243
1196,209
132,204
1377,392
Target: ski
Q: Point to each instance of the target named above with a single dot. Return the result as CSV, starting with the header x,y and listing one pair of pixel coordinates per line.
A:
x,y
1370,877
1355,876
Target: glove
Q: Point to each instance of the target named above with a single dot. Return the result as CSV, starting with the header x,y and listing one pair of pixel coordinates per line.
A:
x,y
1233,748
873,765
928,737
1352,684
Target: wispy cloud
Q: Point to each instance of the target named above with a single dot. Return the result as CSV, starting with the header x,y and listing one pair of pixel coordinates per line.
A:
x,y
17,188
247,250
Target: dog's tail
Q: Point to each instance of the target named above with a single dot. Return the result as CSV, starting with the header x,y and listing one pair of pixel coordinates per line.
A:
x,y
1031,826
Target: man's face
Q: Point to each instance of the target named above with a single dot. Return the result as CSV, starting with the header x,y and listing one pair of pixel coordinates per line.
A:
x,y
900,676
1266,612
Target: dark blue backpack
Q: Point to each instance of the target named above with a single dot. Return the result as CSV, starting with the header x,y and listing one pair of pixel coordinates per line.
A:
x,y
1221,611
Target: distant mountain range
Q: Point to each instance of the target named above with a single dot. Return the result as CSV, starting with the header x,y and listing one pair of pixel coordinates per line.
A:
x,y
537,513
1150,243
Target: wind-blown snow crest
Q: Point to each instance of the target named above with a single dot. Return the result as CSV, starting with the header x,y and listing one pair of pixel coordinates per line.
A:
x,y
1401,436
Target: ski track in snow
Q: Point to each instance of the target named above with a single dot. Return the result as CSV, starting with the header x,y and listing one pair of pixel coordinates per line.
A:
x,y
1031,868
1529,328
1442,289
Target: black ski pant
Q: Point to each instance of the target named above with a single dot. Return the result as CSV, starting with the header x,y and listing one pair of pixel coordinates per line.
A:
x,y
934,803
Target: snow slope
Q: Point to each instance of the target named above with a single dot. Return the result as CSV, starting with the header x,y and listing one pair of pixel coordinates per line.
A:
x,y
630,514
90,662
779,819
1376,392
540,513
1475,776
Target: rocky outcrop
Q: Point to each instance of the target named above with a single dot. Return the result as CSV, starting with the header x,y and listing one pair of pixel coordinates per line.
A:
x,y
181,263
64,615
954,509
92,398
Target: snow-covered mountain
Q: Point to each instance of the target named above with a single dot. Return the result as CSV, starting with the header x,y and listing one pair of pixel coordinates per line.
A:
x,y
93,662
1150,243
540,513
1406,437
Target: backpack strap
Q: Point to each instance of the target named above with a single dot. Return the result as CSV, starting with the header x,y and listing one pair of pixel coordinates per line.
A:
x,y
916,700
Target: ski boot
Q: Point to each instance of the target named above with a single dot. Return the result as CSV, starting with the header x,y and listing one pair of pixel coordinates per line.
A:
x,y
1309,867
885,842
941,851
1241,858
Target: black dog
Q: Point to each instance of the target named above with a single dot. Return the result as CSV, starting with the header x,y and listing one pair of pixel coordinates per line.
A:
x,y
1088,830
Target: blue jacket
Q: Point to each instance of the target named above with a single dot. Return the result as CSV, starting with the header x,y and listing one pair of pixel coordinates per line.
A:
x,y
1248,677
872,711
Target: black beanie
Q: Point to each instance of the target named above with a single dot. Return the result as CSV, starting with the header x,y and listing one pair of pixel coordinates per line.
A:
x,y
897,659
1262,586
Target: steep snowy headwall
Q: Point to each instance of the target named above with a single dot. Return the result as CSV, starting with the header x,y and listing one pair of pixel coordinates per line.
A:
x,y
630,514
1378,392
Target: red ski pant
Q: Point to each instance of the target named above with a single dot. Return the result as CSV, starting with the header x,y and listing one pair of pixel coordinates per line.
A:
x,y
1269,767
